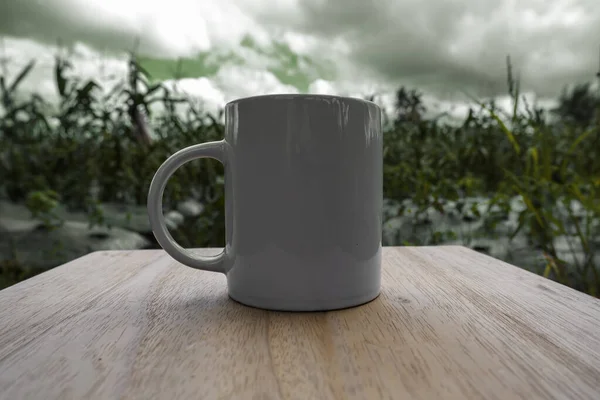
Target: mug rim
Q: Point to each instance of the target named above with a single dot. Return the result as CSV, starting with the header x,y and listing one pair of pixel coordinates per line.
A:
x,y
291,96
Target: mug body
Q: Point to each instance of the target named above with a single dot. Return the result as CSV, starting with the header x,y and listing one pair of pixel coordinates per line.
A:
x,y
304,191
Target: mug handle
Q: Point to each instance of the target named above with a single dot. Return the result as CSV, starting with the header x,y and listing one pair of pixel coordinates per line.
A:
x,y
215,150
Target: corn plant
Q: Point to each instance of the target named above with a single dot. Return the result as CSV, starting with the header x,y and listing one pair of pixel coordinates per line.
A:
x,y
99,145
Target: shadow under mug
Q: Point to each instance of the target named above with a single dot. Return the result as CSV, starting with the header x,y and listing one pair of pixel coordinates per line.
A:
x,y
303,202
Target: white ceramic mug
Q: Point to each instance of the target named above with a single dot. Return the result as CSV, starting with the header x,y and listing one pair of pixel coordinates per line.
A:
x,y
303,202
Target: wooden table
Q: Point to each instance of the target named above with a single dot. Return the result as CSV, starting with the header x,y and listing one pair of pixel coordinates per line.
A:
x,y
450,324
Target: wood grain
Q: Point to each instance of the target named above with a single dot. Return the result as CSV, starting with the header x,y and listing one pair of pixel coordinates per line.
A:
x,y
450,324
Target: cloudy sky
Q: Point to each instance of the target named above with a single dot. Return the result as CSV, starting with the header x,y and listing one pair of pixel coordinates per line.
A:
x,y
349,47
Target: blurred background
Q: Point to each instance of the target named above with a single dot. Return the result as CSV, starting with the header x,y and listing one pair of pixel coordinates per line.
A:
x,y
492,119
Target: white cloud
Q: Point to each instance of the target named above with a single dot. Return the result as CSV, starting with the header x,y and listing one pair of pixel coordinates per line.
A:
x,y
87,63
239,81
171,28
321,86
440,47
201,89
230,82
